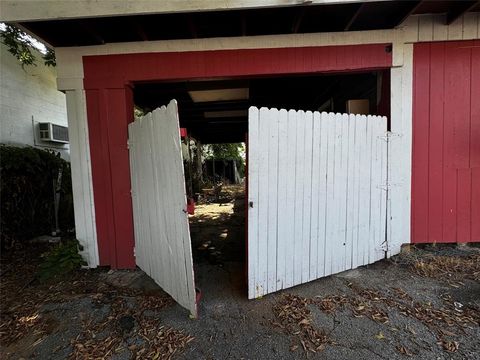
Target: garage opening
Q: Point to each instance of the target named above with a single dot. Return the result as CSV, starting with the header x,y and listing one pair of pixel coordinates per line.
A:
x,y
213,115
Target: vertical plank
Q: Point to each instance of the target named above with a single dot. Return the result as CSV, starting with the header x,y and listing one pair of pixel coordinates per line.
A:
x,y
291,189
474,139
475,213
364,193
351,198
299,189
253,179
330,190
384,180
425,28
378,189
374,189
315,204
421,115
170,209
475,107
322,194
455,30
470,26
456,130
341,182
357,166
440,30
464,205
271,120
284,173
165,257
134,179
187,266
307,195
435,143
83,204
263,186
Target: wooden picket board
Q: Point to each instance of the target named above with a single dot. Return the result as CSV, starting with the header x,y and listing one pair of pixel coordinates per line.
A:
x,y
317,184
298,205
290,199
350,200
272,233
284,172
315,196
162,235
253,153
307,196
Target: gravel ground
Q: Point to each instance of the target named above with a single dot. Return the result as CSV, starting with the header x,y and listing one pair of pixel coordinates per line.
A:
x,y
424,304
231,327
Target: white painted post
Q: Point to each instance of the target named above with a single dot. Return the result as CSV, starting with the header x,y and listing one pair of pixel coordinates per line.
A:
x,y
83,201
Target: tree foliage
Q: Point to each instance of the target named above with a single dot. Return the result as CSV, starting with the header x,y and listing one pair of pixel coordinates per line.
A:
x,y
232,151
20,45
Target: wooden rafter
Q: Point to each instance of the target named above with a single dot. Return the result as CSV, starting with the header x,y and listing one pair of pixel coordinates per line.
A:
x,y
459,10
354,17
413,8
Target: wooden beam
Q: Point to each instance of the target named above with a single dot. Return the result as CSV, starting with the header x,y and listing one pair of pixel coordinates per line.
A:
x,y
192,27
243,20
410,11
88,28
354,17
297,21
461,8
139,30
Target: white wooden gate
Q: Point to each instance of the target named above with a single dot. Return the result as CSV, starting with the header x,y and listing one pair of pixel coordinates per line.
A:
x,y
162,236
316,193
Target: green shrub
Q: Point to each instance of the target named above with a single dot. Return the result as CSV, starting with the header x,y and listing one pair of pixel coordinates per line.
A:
x,y
26,191
60,260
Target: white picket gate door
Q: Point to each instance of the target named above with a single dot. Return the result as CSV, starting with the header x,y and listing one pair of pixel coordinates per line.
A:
x,y
316,195
162,236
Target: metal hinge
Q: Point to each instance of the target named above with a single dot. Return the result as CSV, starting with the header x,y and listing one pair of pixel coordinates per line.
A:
x,y
390,136
128,144
388,186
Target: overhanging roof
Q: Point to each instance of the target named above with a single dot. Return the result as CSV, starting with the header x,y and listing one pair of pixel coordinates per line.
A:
x,y
233,18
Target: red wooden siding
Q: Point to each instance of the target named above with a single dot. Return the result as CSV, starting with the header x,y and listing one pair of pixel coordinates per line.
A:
x,y
109,109
446,142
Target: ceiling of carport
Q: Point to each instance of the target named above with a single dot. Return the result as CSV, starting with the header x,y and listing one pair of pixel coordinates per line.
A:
x,y
218,119
302,18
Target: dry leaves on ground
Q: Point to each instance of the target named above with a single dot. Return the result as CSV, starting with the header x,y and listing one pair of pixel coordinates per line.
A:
x,y
455,268
148,338
22,299
294,318
371,304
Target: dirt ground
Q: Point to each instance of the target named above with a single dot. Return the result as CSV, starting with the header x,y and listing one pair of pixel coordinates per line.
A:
x,y
424,304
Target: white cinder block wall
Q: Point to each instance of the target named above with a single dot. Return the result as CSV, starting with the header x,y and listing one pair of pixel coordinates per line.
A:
x,y
25,93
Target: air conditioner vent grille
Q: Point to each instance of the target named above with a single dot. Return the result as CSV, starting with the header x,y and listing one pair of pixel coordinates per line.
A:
x,y
53,132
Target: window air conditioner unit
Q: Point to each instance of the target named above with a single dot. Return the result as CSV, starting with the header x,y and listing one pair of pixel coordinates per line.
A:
x,y
54,133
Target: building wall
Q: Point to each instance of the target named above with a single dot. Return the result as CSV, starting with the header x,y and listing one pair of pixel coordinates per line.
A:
x,y
27,94
415,29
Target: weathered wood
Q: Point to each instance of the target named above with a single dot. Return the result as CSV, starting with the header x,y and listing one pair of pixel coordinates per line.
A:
x,y
327,176
162,235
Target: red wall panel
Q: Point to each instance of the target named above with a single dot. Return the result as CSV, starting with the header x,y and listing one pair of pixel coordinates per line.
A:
x,y
446,142
109,109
